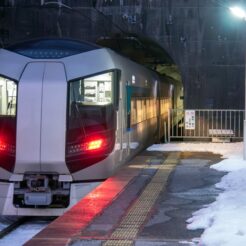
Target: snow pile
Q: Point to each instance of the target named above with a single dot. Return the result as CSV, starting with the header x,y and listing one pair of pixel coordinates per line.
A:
x,y
224,220
227,150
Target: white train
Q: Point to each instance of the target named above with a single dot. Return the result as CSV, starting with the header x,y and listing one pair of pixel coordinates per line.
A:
x,y
70,112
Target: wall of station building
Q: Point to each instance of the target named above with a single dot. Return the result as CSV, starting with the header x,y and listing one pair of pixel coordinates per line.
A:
x,y
201,36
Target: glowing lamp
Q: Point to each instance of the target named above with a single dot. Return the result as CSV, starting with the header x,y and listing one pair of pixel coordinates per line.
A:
x,y
3,146
238,12
94,144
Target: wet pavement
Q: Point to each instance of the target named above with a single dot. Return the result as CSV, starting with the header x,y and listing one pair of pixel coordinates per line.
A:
x,y
189,188
152,208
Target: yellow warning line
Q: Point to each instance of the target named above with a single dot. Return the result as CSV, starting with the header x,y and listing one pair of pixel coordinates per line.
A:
x,y
119,243
131,223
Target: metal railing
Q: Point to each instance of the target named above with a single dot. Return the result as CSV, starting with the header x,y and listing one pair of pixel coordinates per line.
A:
x,y
205,124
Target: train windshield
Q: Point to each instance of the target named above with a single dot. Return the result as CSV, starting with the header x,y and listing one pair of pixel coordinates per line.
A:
x,y
8,99
91,105
91,118
51,48
95,90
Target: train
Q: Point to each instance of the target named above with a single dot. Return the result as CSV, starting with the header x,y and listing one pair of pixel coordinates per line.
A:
x,y
71,112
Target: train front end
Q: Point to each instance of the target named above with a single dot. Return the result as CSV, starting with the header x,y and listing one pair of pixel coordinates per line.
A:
x,y
57,124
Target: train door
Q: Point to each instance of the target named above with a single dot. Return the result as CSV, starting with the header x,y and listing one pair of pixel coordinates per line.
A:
x,y
128,116
41,118
128,106
120,120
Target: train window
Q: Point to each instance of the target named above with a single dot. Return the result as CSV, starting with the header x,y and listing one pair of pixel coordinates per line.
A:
x,y
91,113
51,48
107,3
8,91
92,104
95,90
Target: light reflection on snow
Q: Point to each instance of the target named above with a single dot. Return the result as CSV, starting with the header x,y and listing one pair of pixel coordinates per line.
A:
x,y
23,233
224,220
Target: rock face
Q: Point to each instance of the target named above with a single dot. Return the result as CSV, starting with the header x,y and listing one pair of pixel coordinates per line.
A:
x,y
201,36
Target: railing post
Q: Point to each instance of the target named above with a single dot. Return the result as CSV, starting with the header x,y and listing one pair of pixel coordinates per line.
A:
x,y
165,131
169,124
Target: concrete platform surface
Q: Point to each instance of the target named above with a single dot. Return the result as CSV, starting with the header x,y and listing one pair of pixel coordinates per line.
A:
x,y
146,203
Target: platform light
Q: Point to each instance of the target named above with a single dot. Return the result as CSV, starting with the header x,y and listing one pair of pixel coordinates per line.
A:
x,y
238,12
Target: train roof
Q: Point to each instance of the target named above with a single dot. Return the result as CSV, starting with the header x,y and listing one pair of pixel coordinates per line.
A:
x,y
51,48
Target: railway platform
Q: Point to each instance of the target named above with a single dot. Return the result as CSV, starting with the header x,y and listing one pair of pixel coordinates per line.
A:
x,y
146,203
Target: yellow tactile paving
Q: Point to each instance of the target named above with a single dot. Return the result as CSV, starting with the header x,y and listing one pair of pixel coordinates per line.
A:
x,y
118,243
131,223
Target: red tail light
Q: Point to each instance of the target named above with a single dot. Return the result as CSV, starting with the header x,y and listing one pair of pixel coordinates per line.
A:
x,y
3,146
89,150
90,144
95,144
7,148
